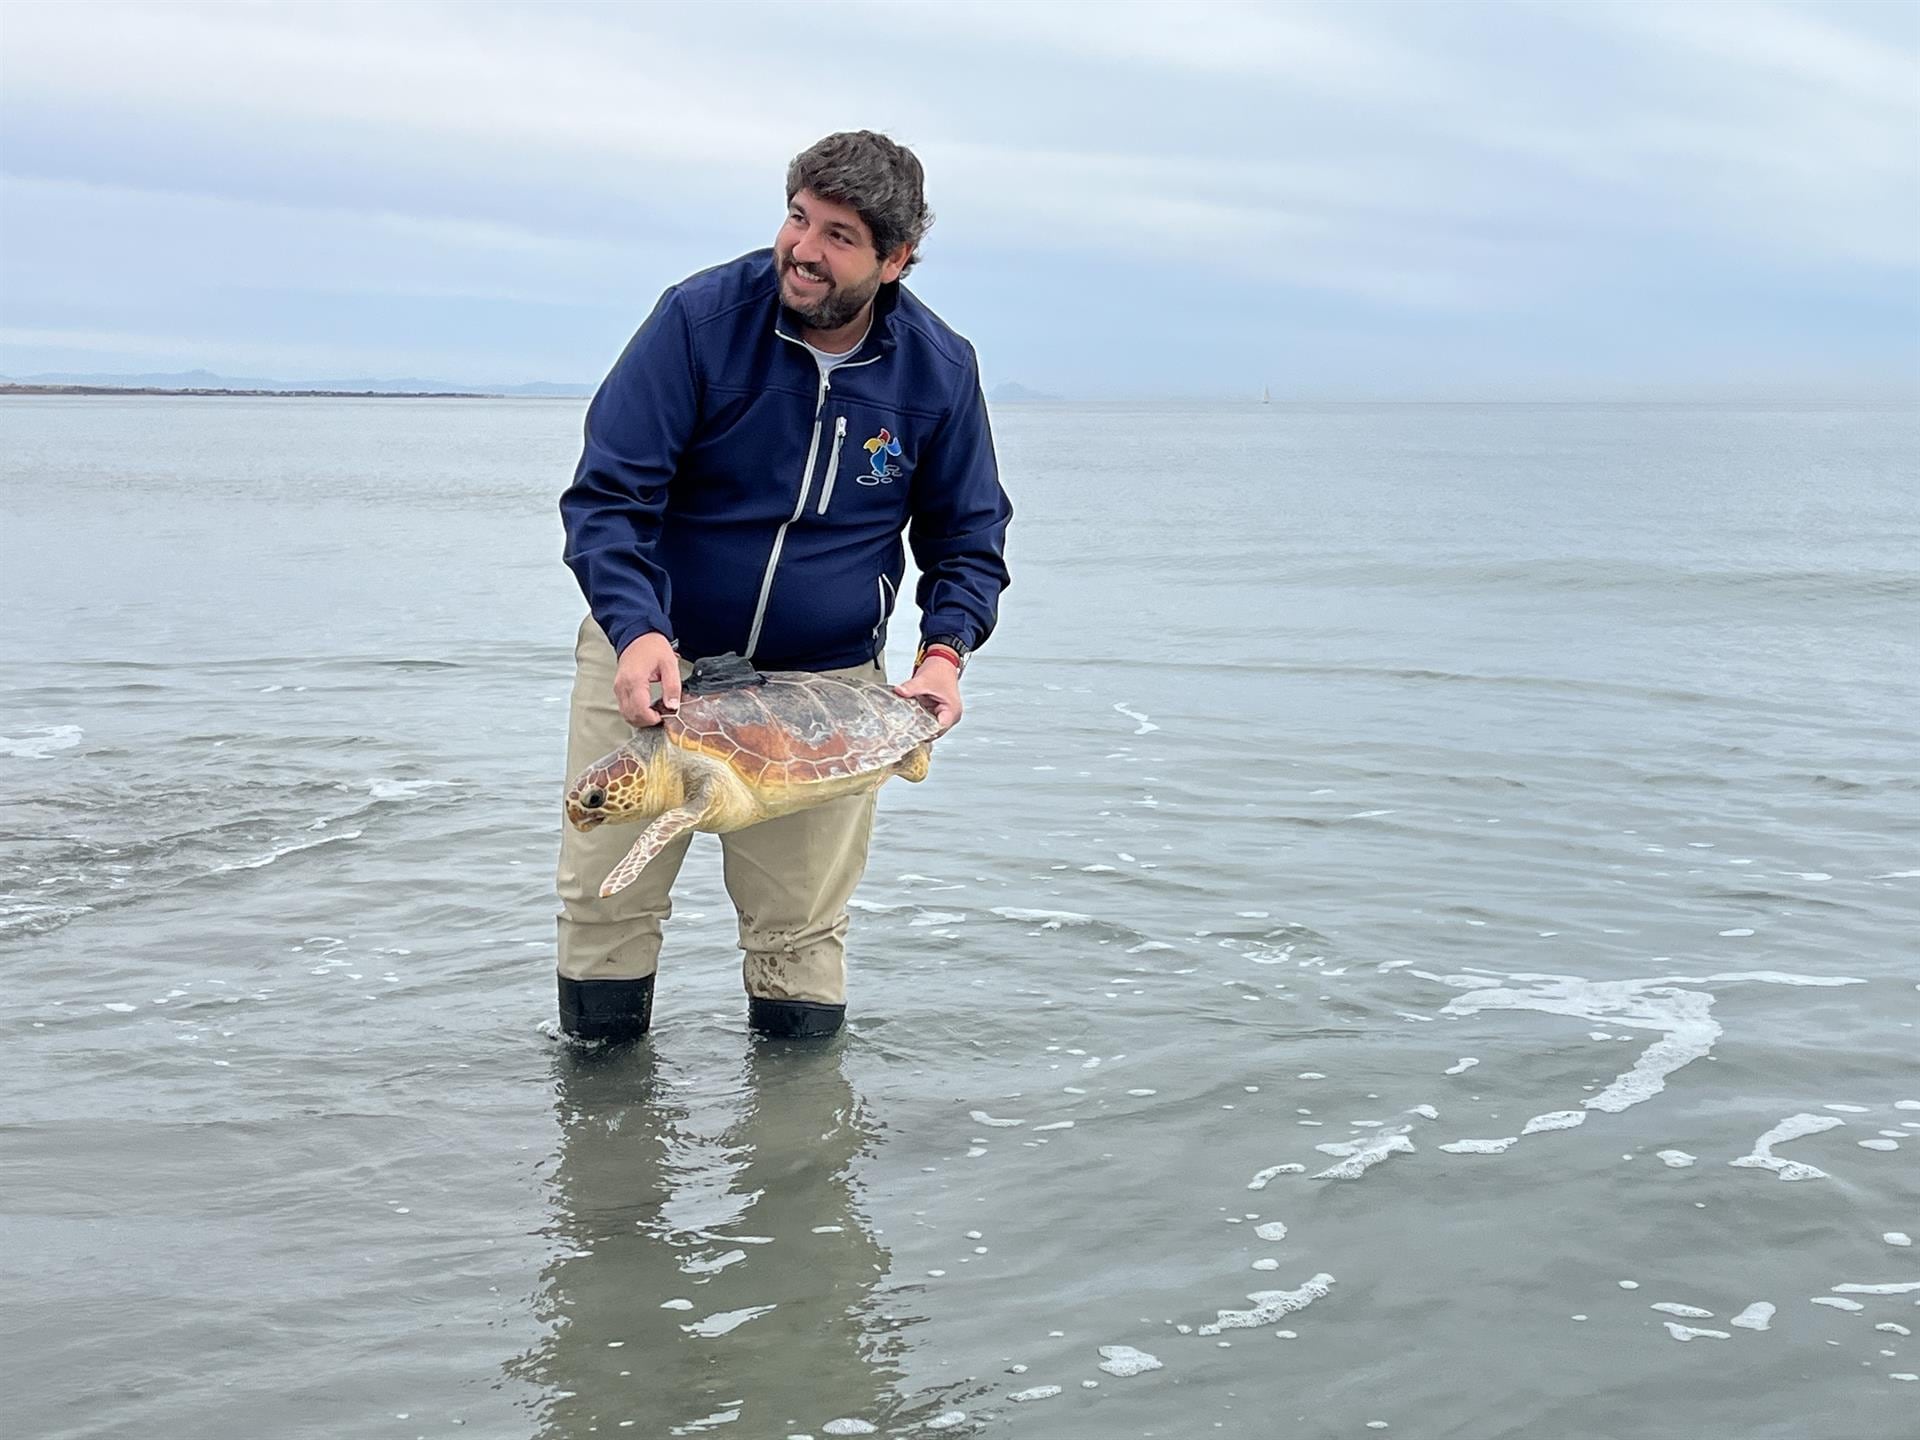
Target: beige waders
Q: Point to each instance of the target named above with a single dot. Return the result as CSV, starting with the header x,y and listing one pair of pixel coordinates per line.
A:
x,y
790,878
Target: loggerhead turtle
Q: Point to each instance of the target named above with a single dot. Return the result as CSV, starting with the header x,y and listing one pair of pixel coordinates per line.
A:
x,y
745,747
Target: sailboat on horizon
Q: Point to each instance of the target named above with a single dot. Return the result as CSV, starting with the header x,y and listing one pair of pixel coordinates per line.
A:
x,y
1266,396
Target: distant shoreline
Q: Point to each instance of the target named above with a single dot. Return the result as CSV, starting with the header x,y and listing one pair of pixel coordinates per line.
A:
x,y
12,389
1277,406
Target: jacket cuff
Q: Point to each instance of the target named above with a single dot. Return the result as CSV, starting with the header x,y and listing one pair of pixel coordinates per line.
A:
x,y
626,632
969,633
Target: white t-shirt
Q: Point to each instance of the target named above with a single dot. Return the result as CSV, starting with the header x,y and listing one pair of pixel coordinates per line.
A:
x,y
828,361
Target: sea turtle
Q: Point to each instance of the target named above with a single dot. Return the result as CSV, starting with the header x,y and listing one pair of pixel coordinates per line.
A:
x,y
745,747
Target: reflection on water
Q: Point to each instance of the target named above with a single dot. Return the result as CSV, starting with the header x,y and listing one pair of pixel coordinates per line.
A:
x,y
713,1265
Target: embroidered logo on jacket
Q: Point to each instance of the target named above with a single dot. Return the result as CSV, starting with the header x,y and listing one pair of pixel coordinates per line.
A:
x,y
879,450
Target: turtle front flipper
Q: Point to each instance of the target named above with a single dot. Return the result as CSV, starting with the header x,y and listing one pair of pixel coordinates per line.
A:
x,y
651,842
914,764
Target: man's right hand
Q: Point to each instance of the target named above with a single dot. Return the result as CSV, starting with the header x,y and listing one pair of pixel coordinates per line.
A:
x,y
646,662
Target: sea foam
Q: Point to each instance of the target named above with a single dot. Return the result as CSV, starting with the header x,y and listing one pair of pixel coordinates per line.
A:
x,y
40,742
1270,1305
1793,1127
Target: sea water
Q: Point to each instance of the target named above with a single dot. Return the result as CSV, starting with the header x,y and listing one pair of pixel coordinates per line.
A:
x,y
1421,897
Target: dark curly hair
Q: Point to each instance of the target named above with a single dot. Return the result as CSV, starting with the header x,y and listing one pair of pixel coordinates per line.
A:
x,y
873,175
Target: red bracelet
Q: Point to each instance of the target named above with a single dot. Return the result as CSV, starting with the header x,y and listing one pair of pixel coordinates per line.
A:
x,y
945,652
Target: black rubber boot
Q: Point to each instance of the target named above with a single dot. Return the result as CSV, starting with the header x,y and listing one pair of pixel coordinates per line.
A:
x,y
616,1010
791,1019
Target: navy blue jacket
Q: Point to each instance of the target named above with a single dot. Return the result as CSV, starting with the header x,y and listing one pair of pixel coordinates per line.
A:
x,y
731,500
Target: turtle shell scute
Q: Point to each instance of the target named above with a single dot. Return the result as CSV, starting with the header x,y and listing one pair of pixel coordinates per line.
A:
x,y
799,728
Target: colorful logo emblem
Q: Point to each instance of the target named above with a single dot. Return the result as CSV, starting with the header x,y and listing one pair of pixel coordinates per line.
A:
x,y
879,449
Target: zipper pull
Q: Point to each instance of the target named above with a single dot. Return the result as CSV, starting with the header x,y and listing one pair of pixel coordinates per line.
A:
x,y
840,428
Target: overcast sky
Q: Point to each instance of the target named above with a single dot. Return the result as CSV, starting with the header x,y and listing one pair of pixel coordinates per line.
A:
x,y
1338,200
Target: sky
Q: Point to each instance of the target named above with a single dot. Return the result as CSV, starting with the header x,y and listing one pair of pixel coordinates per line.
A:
x,y
1339,201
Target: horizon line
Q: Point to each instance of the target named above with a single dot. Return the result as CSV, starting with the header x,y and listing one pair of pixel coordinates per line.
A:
x,y
414,387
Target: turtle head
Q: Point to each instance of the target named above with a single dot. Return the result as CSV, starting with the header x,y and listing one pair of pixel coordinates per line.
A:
x,y
617,788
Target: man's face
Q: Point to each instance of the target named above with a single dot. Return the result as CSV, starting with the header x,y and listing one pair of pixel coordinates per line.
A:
x,y
826,262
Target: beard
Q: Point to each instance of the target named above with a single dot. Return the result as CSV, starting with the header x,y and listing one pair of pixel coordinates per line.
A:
x,y
838,306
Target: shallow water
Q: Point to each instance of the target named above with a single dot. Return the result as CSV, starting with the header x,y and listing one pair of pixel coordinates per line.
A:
x,y
1420,909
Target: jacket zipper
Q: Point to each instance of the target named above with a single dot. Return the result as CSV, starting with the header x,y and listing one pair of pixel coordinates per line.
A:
x,y
806,484
886,604
833,463
780,535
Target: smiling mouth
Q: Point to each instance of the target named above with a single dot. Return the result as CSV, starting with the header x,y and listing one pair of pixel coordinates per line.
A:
x,y
805,277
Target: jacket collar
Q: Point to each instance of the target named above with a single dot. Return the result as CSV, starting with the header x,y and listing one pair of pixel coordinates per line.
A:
x,y
880,334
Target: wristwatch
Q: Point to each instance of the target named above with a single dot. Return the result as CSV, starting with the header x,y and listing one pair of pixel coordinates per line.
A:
x,y
952,643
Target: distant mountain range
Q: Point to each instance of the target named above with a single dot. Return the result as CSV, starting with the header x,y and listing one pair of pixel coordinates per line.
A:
x,y
207,380
1008,393
1012,392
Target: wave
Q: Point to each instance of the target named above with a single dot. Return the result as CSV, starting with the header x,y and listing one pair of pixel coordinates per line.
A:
x,y
58,876
281,852
1596,575
41,742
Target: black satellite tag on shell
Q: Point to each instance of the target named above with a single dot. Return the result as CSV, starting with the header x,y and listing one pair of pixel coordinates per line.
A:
x,y
715,673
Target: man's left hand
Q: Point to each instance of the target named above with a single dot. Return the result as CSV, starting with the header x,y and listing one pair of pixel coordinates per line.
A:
x,y
936,678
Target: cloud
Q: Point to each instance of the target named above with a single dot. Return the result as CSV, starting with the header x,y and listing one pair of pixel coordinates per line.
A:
x,y
73,247
1795,47
28,350
1318,51
1545,160
431,74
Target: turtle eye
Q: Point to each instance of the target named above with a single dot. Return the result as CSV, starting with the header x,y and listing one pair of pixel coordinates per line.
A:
x,y
594,798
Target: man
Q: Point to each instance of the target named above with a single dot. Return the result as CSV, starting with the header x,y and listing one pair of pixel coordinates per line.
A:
x,y
752,464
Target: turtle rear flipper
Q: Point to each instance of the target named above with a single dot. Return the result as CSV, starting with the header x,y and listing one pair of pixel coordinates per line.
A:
x,y
914,764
